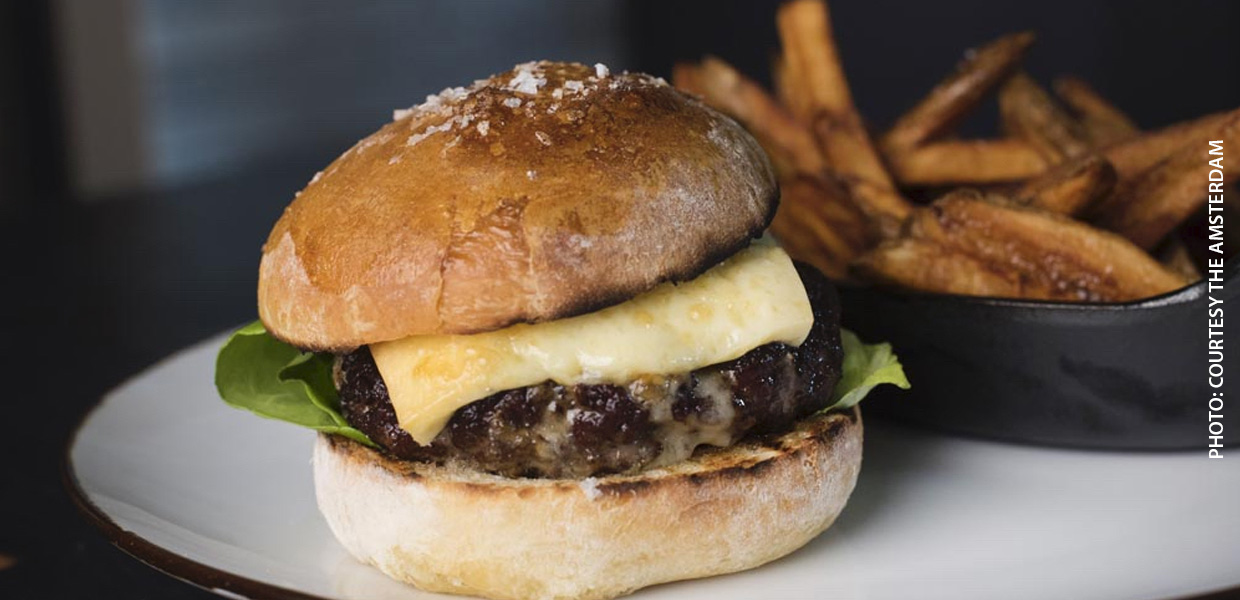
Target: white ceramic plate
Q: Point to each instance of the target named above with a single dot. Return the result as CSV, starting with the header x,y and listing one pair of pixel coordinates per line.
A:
x,y
223,499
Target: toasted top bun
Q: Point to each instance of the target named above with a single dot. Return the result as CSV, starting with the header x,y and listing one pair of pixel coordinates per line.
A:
x,y
546,191
465,532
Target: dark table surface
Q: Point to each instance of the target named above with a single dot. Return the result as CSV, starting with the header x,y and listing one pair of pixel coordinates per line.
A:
x,y
92,294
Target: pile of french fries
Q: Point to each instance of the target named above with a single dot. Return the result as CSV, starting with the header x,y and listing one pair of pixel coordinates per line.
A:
x,y
1072,203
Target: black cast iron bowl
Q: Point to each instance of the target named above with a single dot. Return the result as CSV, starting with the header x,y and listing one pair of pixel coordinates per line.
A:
x,y
1121,376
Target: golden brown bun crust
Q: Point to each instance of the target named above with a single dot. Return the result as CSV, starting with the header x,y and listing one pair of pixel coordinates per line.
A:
x,y
490,206
463,532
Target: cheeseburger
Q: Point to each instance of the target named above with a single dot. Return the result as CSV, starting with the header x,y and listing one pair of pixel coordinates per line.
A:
x,y
548,349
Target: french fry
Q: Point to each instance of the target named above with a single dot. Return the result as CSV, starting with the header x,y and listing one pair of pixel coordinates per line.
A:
x,y
1108,125
816,75
1070,188
854,159
813,62
1029,113
842,211
817,221
957,95
1104,123
790,146
1058,258
865,193
967,162
831,201
837,206
786,89
685,78
852,155
818,224
1146,208
1146,150
802,243
824,247
929,267
1174,255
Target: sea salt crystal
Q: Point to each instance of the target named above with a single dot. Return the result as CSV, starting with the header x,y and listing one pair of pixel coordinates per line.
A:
x,y
436,102
573,86
531,175
512,102
317,176
526,81
542,137
483,128
373,141
557,93
429,131
461,121
394,160
601,70
589,487
453,94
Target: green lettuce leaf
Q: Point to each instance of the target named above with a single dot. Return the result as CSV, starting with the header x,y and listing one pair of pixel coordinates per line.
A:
x,y
271,379
866,366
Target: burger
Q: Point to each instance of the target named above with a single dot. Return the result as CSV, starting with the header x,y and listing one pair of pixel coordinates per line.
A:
x,y
548,349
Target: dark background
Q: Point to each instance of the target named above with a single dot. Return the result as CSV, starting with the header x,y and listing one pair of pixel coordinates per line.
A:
x,y
146,147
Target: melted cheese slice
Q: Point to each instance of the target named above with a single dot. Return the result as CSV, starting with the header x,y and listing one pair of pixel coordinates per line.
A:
x,y
751,299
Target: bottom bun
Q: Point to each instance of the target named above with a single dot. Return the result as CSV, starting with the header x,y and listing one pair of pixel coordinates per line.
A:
x,y
459,531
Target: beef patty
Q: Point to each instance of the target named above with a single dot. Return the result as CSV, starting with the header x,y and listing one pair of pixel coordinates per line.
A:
x,y
576,431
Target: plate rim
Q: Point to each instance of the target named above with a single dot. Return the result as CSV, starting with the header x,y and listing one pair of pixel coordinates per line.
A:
x,y
205,577
218,581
